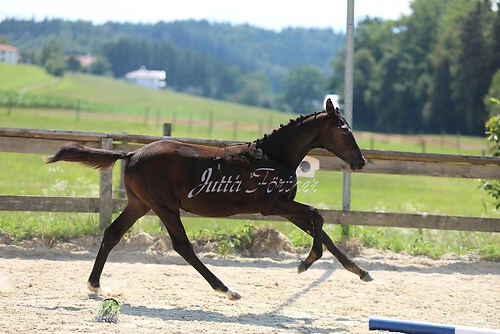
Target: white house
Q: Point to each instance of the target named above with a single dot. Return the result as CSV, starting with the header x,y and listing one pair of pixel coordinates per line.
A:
x,y
147,78
8,54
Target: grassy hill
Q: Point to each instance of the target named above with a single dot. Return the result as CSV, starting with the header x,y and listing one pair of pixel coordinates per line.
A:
x,y
21,77
87,99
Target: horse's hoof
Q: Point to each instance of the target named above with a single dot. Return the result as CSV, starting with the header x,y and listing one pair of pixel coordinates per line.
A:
x,y
233,295
95,289
302,267
230,294
367,278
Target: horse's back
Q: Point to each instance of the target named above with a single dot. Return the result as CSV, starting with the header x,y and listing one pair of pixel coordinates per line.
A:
x,y
209,181
173,147
167,170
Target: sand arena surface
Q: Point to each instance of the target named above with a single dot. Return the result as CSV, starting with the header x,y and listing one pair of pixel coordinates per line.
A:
x,y
43,290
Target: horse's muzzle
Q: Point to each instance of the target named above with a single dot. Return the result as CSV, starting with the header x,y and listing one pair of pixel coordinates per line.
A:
x,y
358,164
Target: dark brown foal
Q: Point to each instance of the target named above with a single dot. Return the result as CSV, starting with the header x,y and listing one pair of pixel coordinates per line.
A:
x,y
168,176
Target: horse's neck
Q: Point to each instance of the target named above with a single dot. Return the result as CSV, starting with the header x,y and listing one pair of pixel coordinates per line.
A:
x,y
289,145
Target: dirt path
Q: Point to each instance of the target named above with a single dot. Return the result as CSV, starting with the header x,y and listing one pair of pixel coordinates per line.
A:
x,y
42,290
30,89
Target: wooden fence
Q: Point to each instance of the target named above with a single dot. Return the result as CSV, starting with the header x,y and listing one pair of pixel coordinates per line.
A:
x,y
386,162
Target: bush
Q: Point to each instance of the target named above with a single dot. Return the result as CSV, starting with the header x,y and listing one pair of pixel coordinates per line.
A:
x,y
492,187
493,132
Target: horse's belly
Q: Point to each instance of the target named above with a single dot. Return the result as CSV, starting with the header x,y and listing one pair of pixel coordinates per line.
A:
x,y
221,205
220,195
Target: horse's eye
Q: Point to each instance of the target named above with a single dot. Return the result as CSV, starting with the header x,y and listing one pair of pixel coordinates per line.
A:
x,y
344,129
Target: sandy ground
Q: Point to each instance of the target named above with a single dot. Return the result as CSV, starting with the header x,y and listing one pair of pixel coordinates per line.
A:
x,y
43,290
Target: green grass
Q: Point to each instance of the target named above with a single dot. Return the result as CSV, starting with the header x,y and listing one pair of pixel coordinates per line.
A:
x,y
120,107
52,227
93,93
23,77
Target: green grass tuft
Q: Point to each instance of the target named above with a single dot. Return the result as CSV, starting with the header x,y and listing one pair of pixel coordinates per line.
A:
x,y
234,241
490,252
108,311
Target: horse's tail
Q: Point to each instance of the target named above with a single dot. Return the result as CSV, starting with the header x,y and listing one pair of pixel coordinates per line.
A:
x,y
92,157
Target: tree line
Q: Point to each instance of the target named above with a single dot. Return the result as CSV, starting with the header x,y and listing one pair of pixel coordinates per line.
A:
x,y
431,71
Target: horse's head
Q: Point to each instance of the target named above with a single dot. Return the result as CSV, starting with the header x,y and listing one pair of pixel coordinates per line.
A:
x,y
338,138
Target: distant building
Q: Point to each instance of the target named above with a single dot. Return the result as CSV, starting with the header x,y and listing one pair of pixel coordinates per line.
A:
x,y
147,78
86,60
8,54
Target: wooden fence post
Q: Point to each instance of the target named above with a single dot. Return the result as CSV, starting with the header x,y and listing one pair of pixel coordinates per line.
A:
x,y
167,129
106,190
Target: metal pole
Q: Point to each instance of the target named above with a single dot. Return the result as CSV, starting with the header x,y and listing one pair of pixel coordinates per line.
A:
x,y
349,61
348,89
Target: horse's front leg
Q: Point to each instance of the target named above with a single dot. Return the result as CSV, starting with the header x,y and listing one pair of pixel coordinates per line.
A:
x,y
309,214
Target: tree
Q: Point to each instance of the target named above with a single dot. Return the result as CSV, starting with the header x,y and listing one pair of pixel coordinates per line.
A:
x,y
390,116
491,101
100,66
416,38
52,58
372,38
366,70
495,44
4,40
439,109
303,89
405,68
473,74
254,89
73,64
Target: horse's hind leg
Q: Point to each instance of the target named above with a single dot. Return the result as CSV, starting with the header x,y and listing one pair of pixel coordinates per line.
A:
x,y
182,245
112,235
346,262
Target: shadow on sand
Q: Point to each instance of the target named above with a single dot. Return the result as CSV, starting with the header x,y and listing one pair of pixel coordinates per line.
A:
x,y
273,319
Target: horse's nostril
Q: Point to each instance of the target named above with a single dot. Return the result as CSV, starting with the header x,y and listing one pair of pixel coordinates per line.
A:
x,y
355,165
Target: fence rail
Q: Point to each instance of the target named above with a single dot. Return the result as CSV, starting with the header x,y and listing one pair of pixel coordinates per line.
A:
x,y
386,162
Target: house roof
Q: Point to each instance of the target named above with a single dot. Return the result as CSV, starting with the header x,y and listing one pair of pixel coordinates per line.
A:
x,y
86,60
144,73
6,47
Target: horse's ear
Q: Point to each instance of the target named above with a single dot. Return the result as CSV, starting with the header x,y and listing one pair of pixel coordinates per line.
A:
x,y
330,109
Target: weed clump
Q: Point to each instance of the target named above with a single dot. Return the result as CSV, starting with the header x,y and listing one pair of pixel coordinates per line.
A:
x,y
245,241
108,311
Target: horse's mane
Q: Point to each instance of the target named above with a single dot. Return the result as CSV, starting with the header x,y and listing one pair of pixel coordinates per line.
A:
x,y
293,122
